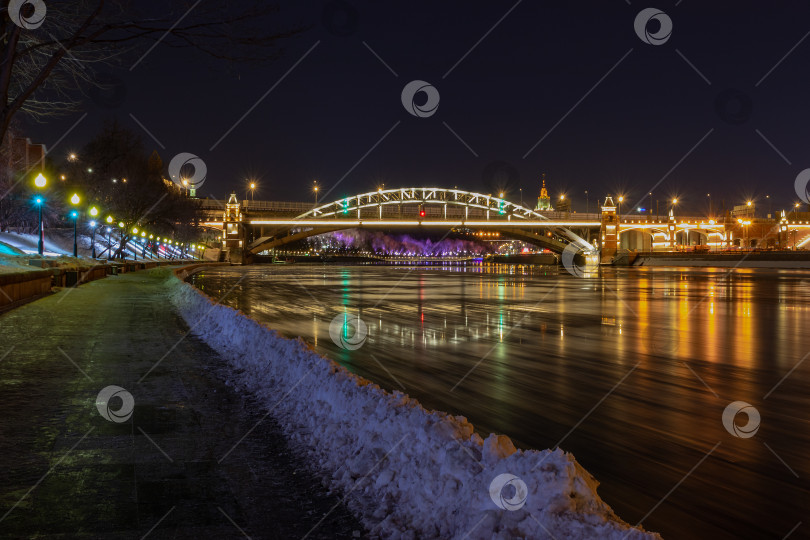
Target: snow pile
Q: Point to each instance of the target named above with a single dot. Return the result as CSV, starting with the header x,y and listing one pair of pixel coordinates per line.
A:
x,y
407,472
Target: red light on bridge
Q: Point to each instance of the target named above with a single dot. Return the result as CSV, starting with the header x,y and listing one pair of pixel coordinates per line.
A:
x,y
421,211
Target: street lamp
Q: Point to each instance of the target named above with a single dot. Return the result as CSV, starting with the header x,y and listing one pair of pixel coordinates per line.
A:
x,y
252,187
40,182
75,199
621,200
93,214
109,221
315,189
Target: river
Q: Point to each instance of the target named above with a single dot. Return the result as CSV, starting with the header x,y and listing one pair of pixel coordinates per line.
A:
x,y
629,369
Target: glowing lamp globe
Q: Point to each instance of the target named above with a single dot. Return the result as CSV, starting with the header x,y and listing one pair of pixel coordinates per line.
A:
x,y
40,181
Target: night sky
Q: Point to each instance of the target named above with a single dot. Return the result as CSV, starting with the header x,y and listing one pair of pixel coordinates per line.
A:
x,y
501,99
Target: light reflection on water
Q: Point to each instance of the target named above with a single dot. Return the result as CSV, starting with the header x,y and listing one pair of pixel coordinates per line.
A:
x,y
530,352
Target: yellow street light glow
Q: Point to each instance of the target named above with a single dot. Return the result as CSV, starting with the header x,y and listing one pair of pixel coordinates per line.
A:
x,y
109,219
75,199
72,157
121,224
185,182
143,234
63,177
134,230
562,197
749,203
674,201
151,236
40,180
252,185
94,211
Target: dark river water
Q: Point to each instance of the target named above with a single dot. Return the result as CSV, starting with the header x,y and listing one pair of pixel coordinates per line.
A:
x,y
631,370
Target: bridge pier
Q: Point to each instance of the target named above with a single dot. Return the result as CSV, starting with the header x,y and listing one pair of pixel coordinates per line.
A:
x,y
233,231
609,231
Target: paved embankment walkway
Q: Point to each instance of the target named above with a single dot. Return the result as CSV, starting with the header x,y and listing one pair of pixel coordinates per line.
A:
x,y
68,473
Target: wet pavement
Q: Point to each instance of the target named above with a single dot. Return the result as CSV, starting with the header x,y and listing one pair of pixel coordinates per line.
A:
x,y
195,460
631,370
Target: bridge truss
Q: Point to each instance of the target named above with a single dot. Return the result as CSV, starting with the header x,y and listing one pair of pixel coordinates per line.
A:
x,y
422,207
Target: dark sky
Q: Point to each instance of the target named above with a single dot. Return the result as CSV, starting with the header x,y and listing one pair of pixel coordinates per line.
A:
x,y
501,99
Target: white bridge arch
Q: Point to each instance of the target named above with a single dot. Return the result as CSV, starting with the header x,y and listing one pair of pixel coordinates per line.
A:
x,y
431,206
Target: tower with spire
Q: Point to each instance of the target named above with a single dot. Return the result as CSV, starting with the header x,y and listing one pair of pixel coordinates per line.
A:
x,y
544,201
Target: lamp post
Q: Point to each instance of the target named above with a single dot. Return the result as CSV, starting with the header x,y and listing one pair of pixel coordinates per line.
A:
x,y
587,205
75,199
109,221
93,214
121,239
315,189
40,182
252,187
135,251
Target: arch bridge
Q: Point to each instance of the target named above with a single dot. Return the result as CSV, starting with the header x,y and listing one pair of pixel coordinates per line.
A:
x,y
411,208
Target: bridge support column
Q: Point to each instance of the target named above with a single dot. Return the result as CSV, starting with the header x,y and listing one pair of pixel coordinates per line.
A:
x,y
784,242
609,233
671,231
233,230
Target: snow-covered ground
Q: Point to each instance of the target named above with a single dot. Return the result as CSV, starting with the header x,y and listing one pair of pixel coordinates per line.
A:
x,y
59,242
405,471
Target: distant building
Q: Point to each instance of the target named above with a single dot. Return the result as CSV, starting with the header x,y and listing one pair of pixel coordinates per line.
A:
x,y
25,156
743,211
544,201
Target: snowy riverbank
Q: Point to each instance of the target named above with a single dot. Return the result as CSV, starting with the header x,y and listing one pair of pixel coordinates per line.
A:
x,y
405,471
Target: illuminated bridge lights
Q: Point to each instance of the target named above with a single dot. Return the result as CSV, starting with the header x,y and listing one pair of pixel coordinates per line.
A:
x,y
414,223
